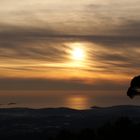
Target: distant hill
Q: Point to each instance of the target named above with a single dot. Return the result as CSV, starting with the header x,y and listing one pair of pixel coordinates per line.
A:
x,y
20,121
65,117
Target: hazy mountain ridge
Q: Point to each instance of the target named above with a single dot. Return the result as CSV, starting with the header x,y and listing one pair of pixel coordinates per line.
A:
x,y
93,114
64,111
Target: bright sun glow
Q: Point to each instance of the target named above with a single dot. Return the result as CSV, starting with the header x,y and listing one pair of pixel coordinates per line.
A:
x,y
77,55
78,52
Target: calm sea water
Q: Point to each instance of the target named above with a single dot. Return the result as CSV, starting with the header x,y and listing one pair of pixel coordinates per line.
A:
x,y
70,99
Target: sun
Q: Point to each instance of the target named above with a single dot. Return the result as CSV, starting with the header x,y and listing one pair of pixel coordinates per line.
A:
x,y
78,53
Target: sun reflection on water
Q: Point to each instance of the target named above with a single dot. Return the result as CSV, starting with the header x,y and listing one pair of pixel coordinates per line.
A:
x,y
77,102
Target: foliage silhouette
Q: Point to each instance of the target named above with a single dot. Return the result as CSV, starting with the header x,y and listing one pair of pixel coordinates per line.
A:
x,y
134,88
123,128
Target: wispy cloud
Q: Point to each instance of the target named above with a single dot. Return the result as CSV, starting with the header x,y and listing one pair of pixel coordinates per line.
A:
x,y
23,49
35,40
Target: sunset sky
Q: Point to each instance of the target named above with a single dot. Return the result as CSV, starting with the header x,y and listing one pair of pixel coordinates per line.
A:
x,y
67,47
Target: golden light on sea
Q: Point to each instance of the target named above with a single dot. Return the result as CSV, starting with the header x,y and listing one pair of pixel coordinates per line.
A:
x,y
77,102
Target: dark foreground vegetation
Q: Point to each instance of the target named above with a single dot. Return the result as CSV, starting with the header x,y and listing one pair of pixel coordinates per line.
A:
x,y
123,128
113,123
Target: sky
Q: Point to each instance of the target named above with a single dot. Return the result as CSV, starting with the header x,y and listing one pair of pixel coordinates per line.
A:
x,y
69,47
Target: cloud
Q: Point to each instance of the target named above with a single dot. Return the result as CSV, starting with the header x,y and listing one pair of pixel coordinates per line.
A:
x,y
128,28
11,104
114,17
75,17
111,53
12,84
30,43
38,36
